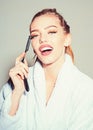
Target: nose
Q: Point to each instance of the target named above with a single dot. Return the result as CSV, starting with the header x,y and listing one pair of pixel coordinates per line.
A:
x,y
43,38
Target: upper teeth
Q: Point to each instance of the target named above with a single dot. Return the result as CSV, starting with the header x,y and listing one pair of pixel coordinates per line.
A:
x,y
46,48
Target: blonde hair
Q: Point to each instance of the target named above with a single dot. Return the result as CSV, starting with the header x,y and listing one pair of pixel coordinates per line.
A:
x,y
69,51
63,23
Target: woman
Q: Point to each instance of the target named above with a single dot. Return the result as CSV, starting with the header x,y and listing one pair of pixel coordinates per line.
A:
x,y
60,96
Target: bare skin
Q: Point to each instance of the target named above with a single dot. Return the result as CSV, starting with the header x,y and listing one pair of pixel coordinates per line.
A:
x,y
17,74
51,74
46,32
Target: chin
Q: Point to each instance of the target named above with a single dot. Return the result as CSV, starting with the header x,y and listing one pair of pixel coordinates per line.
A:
x,y
47,62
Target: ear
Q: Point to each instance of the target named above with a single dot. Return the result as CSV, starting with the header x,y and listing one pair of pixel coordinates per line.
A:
x,y
67,40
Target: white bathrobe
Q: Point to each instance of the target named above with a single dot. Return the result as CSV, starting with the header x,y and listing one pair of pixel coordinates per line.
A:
x,y
70,106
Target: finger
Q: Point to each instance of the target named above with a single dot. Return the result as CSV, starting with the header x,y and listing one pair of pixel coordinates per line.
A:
x,y
21,68
25,62
24,72
20,74
20,57
16,72
21,65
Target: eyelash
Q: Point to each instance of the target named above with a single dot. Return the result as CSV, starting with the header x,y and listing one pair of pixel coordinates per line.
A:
x,y
33,36
50,32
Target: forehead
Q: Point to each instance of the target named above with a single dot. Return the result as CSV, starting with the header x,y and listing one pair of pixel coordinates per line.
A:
x,y
45,20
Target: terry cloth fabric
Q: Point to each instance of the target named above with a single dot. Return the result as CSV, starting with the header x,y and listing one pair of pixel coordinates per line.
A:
x,y
70,106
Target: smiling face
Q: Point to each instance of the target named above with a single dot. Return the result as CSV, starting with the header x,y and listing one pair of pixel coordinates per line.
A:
x,y
48,39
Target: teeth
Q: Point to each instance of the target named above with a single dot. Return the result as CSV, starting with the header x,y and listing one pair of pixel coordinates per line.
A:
x,y
46,49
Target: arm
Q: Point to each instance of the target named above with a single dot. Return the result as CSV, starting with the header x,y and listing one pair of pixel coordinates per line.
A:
x,y
7,121
17,74
10,100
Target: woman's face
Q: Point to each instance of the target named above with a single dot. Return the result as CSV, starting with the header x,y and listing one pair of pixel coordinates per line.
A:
x,y
48,38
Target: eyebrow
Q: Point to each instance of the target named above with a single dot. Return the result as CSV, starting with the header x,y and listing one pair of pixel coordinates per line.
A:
x,y
34,30
50,26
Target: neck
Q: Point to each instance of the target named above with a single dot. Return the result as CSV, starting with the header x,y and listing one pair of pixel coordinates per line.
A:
x,y
52,70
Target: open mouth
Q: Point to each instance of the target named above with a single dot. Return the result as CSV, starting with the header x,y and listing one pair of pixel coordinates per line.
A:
x,y
46,50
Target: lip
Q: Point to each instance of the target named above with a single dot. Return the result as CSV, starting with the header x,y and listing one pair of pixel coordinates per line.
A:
x,y
45,46
45,49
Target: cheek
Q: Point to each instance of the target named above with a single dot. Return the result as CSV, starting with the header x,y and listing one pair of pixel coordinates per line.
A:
x,y
34,45
35,48
59,47
60,43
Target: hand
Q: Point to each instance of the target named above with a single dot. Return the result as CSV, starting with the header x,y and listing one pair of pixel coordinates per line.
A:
x,y
17,74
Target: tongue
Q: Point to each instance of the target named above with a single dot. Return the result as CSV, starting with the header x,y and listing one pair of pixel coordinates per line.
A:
x,y
46,52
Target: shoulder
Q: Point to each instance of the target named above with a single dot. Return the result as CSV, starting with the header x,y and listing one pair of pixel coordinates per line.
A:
x,y
82,78
83,86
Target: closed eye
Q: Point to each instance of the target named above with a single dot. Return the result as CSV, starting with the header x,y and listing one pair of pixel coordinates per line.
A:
x,y
52,32
33,36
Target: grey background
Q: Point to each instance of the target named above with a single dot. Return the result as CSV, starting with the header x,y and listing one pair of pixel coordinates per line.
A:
x,y
15,17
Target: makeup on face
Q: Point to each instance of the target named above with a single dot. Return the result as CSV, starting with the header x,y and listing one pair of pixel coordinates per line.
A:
x,y
45,49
